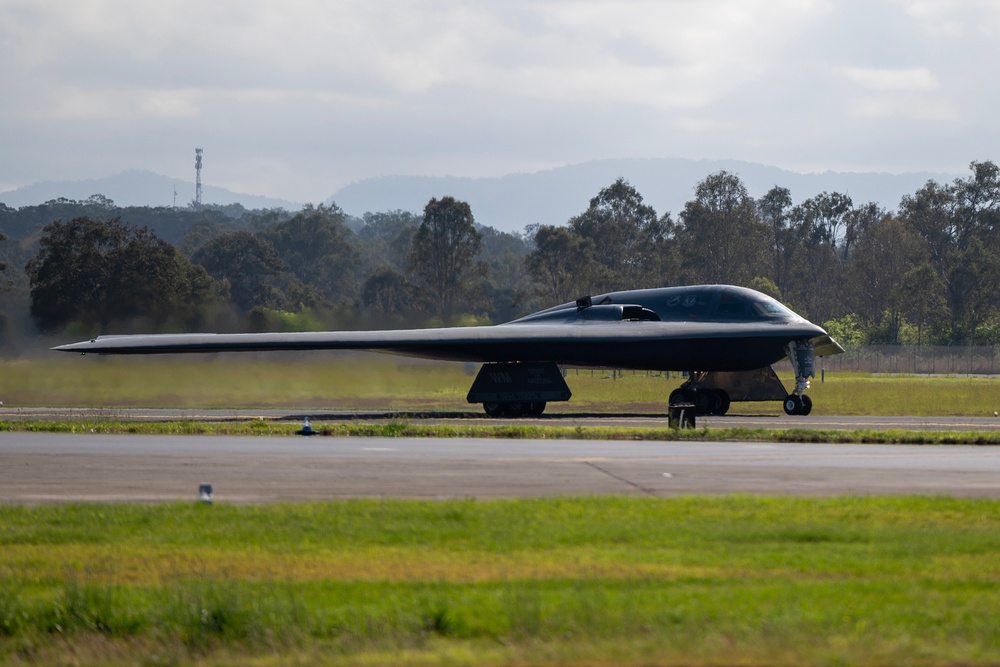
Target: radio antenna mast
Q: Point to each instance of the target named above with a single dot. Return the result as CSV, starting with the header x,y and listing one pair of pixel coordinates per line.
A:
x,y
197,171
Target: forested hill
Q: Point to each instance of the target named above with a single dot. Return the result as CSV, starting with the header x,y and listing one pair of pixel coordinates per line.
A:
x,y
507,203
511,202
137,187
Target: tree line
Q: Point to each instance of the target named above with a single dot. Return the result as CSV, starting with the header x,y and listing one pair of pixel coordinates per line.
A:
x,y
928,272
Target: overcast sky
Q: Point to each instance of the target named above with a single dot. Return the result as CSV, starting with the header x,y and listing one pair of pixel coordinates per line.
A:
x,y
297,98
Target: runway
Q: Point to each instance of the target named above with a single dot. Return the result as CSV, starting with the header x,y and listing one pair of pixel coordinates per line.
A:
x,y
44,468
762,420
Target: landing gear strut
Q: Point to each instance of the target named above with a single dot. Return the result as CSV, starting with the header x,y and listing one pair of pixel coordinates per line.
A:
x,y
803,357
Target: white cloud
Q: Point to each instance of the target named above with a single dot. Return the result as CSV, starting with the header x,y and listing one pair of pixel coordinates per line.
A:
x,y
915,80
886,107
951,19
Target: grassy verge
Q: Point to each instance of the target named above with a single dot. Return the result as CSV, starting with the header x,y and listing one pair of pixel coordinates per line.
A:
x,y
338,380
737,580
419,430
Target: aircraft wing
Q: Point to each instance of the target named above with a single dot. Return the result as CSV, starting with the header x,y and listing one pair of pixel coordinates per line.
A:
x,y
637,345
825,345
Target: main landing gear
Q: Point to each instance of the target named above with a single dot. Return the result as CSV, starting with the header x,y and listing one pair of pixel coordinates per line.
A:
x,y
706,401
712,392
514,409
518,389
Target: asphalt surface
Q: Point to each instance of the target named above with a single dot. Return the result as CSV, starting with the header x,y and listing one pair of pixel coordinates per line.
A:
x,y
986,423
42,468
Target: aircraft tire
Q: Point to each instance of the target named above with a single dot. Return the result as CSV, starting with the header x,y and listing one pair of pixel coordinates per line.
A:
x,y
678,396
807,405
493,409
536,409
514,410
793,405
704,401
722,402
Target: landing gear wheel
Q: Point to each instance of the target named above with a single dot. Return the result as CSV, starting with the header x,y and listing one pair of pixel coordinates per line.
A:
x,y
493,409
514,410
807,405
704,402
722,402
678,396
793,404
535,409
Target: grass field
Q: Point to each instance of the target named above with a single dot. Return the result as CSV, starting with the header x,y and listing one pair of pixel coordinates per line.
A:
x,y
342,381
608,581
419,429
692,581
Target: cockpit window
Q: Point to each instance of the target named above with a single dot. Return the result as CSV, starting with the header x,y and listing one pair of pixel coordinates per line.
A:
x,y
772,310
686,306
730,308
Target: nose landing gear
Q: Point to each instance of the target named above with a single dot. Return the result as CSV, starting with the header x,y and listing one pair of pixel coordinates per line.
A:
x,y
803,357
798,405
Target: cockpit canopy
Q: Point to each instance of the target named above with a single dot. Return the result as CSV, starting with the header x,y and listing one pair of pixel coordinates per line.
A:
x,y
720,304
704,303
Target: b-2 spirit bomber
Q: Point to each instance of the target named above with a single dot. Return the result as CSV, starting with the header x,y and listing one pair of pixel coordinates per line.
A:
x,y
726,338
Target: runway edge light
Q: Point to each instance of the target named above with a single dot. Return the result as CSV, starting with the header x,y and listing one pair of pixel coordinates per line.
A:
x,y
306,429
205,493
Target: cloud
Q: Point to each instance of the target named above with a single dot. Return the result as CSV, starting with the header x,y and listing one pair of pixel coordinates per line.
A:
x,y
303,96
915,80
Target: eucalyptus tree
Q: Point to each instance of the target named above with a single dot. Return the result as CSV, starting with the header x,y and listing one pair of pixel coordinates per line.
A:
x,y
246,263
629,240
99,272
977,204
825,217
316,247
930,212
774,209
444,257
721,237
973,289
883,259
385,240
922,298
563,264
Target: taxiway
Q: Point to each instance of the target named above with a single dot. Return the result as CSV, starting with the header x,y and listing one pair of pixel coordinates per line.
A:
x,y
41,468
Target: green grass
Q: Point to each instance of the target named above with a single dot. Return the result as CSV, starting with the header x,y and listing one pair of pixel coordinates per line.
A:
x,y
418,429
735,580
345,381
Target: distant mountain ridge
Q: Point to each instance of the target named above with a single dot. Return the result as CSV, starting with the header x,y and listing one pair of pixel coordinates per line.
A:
x,y
552,197
137,187
510,202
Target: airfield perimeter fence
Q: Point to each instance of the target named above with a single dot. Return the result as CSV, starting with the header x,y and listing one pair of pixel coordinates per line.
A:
x,y
915,360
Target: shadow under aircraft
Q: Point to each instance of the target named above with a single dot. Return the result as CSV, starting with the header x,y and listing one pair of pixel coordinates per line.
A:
x,y
726,338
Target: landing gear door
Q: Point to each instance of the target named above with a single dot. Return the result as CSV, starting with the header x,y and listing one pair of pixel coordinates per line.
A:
x,y
520,383
757,385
